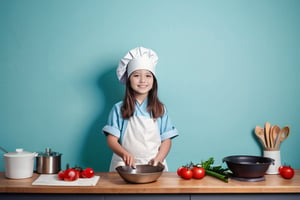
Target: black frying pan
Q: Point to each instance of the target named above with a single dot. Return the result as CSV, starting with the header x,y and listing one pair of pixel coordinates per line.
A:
x,y
248,166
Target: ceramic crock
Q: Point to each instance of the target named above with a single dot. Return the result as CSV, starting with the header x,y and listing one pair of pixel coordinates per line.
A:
x,y
19,164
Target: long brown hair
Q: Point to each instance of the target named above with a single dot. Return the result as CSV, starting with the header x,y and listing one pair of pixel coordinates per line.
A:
x,y
155,107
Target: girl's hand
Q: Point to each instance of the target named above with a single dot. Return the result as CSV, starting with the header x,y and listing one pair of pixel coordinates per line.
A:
x,y
162,152
153,162
128,159
113,143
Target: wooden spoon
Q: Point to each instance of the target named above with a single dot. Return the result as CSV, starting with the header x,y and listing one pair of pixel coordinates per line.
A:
x,y
271,138
267,134
283,134
259,132
274,134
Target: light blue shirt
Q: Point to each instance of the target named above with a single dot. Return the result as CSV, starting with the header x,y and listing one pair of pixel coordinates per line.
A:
x,y
116,125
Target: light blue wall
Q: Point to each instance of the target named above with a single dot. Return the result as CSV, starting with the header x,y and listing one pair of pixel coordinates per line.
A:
x,y
224,67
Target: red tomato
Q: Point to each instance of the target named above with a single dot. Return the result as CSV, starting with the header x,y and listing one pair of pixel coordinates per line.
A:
x,y
186,173
78,174
61,175
179,171
87,173
286,172
78,171
198,172
71,175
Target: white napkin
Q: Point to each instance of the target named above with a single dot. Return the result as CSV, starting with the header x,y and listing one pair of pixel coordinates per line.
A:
x,y
51,179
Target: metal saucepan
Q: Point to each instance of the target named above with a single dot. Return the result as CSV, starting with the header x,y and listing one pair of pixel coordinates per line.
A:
x,y
48,162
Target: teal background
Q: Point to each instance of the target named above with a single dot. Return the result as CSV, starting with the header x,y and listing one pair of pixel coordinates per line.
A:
x,y
224,67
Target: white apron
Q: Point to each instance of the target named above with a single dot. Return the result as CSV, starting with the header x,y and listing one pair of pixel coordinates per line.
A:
x,y
141,139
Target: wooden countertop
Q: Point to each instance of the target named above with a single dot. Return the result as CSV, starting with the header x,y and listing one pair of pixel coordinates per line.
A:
x,y
168,183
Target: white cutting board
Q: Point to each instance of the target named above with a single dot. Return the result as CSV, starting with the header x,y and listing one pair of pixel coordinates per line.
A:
x,y
52,180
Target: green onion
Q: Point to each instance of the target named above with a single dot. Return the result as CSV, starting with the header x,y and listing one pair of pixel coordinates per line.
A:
x,y
214,171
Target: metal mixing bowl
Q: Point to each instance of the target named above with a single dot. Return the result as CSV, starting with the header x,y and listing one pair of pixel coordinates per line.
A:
x,y
140,174
248,166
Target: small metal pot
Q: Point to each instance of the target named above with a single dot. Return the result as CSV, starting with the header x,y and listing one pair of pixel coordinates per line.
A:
x,y
48,162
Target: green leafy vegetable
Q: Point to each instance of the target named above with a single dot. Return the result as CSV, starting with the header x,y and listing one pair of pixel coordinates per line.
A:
x,y
215,171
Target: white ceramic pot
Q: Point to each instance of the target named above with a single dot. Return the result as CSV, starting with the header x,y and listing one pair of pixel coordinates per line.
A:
x,y
273,169
19,164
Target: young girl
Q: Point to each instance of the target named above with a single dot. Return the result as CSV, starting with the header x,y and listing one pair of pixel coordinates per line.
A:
x,y
139,130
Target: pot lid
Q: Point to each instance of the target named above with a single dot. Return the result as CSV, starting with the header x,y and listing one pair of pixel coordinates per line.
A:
x,y
19,153
48,153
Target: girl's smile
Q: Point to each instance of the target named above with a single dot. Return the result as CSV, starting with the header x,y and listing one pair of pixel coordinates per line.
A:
x,y
141,81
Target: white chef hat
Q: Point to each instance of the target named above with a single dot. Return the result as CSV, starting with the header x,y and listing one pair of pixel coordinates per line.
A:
x,y
138,58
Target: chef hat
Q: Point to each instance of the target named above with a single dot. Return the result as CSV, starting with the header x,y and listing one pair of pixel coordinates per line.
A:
x,y
138,58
